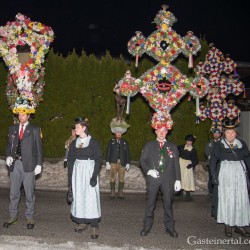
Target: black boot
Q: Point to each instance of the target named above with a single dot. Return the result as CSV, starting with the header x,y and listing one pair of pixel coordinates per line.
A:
x,y
241,231
120,190
188,196
228,231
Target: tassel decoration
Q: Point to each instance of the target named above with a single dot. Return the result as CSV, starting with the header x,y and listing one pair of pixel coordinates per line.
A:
x,y
197,120
190,61
128,104
198,112
235,72
244,93
136,60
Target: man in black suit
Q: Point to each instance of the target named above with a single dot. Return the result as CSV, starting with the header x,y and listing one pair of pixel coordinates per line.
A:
x,y
160,164
24,159
117,160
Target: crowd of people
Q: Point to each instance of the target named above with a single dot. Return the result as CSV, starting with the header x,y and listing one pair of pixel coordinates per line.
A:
x,y
168,169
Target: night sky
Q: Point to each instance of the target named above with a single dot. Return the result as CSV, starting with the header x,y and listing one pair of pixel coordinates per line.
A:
x,y
97,26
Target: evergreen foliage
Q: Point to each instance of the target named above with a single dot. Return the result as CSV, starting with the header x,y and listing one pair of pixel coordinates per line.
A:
x,y
83,86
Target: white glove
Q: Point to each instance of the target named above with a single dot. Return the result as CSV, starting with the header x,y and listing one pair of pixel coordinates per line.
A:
x,y
9,161
154,173
38,169
177,186
127,167
108,167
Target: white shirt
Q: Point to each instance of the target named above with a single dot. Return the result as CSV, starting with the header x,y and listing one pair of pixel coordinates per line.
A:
x,y
24,126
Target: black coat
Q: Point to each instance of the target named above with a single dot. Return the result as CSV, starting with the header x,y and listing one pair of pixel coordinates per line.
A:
x,y
117,151
150,158
188,155
31,147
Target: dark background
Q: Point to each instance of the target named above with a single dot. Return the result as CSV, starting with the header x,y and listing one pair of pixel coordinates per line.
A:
x,y
97,26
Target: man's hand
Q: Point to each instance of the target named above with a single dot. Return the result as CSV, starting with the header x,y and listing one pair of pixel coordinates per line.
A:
x,y
65,164
177,186
154,173
127,167
38,170
9,161
108,167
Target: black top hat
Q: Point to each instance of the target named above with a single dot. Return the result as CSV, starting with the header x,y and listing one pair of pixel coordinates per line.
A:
x,y
228,124
190,138
82,120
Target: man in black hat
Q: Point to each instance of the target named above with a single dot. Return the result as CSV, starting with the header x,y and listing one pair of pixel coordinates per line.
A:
x,y
208,150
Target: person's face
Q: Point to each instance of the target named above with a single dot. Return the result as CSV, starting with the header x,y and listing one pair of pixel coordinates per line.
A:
x,y
161,133
189,143
23,118
73,132
128,74
118,135
230,135
216,136
80,130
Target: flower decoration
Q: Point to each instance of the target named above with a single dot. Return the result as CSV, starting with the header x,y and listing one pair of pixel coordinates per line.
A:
x,y
136,44
164,16
203,112
167,53
36,38
199,87
232,110
169,152
164,101
216,67
163,85
234,85
191,44
23,105
129,86
161,119
216,112
191,47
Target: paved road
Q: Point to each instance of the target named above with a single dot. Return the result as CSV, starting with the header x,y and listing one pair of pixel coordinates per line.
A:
x,y
119,228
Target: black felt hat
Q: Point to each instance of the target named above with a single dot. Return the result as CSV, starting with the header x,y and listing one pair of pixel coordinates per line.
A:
x,y
82,120
228,124
190,138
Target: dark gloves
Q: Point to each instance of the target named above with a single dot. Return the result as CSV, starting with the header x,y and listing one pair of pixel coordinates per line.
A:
x,y
93,181
189,166
65,164
214,180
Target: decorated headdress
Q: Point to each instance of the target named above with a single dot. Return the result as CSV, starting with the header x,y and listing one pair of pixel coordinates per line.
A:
x,y
23,45
118,127
23,105
160,120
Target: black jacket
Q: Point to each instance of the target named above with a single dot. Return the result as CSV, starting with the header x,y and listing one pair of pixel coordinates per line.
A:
x,y
117,151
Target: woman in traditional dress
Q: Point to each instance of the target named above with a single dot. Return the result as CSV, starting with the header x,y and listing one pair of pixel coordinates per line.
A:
x,y
84,163
188,160
233,207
